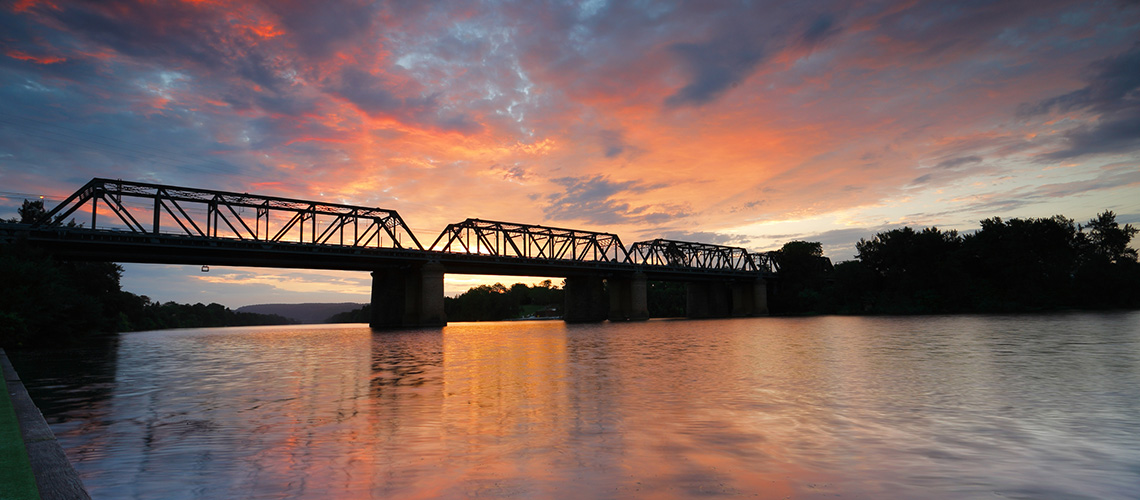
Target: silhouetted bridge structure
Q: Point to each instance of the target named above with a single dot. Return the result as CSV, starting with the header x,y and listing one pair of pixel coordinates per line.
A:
x,y
151,223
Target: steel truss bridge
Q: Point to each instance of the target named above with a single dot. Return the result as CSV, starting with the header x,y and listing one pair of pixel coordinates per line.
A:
x,y
124,221
141,222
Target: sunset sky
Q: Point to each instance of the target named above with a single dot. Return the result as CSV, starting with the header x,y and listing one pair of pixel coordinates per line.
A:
x,y
742,123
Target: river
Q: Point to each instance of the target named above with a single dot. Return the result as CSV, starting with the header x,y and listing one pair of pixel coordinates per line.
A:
x,y
1020,406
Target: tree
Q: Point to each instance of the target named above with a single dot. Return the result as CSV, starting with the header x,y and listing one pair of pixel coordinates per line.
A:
x,y
855,289
666,299
1107,272
913,271
1023,264
1110,241
497,302
803,271
31,211
50,303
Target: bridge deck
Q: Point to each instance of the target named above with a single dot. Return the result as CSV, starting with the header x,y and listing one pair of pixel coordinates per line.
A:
x,y
153,223
135,247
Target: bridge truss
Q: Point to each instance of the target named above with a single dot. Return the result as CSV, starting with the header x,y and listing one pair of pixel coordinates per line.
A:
x,y
171,210
505,239
135,220
685,254
765,262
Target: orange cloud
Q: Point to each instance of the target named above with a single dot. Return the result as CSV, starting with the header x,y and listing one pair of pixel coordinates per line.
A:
x,y
24,56
27,5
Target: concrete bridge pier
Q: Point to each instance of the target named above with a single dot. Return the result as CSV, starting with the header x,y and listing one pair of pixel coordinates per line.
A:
x,y
750,298
408,297
724,299
759,297
628,298
707,299
585,300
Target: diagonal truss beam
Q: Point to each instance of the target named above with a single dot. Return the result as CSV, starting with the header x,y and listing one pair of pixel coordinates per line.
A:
x,y
527,241
687,254
200,213
191,210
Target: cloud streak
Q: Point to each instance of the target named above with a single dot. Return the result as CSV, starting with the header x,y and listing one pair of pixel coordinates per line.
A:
x,y
1113,95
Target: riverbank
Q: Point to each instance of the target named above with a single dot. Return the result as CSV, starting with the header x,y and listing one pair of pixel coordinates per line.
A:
x,y
32,462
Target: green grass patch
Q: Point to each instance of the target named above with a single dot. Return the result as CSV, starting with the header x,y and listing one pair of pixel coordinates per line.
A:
x,y
16,479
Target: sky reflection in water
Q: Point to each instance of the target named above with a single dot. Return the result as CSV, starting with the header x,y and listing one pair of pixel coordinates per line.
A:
x,y
943,407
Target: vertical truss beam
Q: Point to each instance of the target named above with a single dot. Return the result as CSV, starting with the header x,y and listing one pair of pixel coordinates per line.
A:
x,y
218,208
525,241
686,254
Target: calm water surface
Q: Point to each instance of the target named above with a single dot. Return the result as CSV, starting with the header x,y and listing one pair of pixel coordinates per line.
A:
x,y
922,407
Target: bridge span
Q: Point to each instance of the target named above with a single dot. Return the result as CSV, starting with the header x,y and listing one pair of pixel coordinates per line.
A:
x,y
150,223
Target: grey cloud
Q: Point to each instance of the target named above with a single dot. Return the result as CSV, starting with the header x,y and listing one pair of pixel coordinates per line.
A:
x,y
1131,218
958,162
1109,179
743,39
514,173
821,29
838,244
594,199
736,240
942,28
844,237
320,28
1113,91
1113,83
746,206
1076,99
1004,202
950,170
270,133
154,37
458,122
1116,135
714,67
375,96
287,103
613,143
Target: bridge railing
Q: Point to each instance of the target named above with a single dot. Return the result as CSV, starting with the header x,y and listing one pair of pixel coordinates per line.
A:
x,y
686,254
506,239
157,209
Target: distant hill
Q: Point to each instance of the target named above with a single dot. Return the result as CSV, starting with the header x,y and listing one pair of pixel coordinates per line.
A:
x,y
303,313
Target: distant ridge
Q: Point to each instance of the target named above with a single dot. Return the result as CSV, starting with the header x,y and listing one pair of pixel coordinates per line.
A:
x,y
303,313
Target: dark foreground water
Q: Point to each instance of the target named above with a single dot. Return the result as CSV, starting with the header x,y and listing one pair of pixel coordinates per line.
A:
x,y
922,407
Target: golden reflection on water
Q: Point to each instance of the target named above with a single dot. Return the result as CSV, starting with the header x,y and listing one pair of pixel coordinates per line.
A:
x,y
952,407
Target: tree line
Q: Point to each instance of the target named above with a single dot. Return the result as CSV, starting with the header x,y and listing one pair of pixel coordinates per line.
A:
x,y
488,303
1015,265
542,300
47,302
